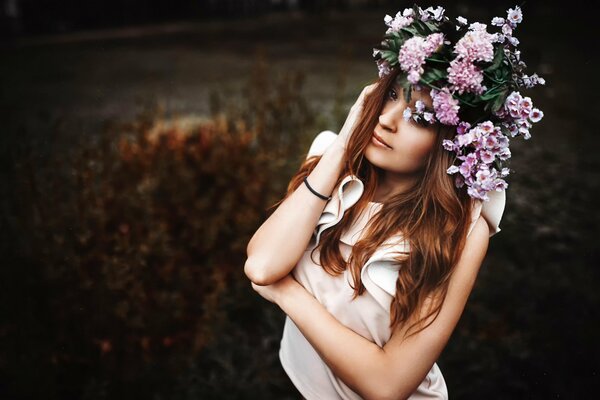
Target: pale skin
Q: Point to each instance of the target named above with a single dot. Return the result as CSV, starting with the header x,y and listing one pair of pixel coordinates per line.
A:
x,y
395,370
410,143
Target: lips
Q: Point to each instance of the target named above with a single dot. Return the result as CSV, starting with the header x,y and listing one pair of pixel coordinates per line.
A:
x,y
381,140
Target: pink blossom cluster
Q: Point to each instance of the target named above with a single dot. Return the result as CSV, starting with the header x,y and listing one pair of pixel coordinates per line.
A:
x,y
478,148
475,45
519,114
414,51
445,106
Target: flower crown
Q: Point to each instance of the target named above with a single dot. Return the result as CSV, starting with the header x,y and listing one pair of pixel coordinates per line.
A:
x,y
474,77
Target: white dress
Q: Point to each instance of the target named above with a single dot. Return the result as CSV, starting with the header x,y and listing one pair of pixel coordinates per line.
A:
x,y
369,314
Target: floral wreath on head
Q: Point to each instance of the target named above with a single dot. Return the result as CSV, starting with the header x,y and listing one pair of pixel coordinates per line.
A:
x,y
474,77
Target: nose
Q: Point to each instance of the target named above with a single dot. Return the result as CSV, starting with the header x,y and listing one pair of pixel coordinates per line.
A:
x,y
392,115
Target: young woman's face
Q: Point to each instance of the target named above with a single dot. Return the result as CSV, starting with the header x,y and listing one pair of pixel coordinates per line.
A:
x,y
408,142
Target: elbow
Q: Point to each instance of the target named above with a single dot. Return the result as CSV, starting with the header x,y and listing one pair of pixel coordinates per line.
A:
x,y
383,393
257,273
387,389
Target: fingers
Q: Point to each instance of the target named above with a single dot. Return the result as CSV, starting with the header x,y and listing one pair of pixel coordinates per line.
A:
x,y
366,91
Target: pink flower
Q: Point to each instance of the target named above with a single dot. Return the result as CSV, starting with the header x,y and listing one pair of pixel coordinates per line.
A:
x,y
465,139
487,156
476,44
525,106
490,142
463,127
536,115
414,51
449,145
465,77
445,106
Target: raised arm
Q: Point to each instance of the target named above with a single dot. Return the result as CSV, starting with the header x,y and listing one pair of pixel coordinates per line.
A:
x,y
279,242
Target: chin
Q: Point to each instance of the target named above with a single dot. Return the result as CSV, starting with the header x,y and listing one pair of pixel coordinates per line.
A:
x,y
388,161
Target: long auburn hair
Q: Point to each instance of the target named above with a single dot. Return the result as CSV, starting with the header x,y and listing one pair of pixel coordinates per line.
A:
x,y
433,217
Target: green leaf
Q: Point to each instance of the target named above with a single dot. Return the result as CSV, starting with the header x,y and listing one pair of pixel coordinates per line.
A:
x,y
390,56
407,91
497,60
432,27
497,104
433,74
437,58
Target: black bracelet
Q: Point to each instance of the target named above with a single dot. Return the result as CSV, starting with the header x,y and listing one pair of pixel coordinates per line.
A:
x,y
315,192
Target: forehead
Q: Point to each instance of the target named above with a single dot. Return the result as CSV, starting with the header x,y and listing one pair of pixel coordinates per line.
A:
x,y
422,95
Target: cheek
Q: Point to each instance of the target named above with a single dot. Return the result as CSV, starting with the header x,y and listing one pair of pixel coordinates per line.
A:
x,y
409,154
414,146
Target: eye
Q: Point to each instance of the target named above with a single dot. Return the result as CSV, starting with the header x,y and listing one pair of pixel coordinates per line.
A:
x,y
392,94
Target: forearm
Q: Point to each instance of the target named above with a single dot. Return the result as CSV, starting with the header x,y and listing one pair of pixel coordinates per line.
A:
x,y
279,242
354,359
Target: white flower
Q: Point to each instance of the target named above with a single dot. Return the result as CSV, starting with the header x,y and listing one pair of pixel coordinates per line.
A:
x,y
513,40
461,20
407,113
515,15
438,12
497,21
452,170
477,26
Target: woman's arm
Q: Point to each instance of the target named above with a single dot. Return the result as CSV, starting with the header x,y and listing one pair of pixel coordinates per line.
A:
x,y
396,370
278,244
280,241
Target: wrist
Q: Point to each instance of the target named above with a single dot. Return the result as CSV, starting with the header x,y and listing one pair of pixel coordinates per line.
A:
x,y
337,148
287,295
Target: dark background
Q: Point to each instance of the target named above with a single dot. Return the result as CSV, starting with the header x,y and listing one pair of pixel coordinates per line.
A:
x,y
143,142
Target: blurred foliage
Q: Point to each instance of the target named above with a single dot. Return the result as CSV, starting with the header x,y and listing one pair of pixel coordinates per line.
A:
x,y
126,252
123,260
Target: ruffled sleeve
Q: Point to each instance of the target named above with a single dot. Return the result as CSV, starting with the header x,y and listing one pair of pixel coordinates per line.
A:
x,y
344,196
380,272
320,143
491,211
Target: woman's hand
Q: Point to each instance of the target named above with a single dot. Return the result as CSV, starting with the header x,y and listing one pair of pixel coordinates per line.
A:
x,y
275,291
355,112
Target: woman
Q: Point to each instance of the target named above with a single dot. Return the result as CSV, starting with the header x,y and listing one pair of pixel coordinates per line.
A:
x,y
374,277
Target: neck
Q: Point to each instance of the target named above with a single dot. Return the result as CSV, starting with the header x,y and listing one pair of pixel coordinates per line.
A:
x,y
391,184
